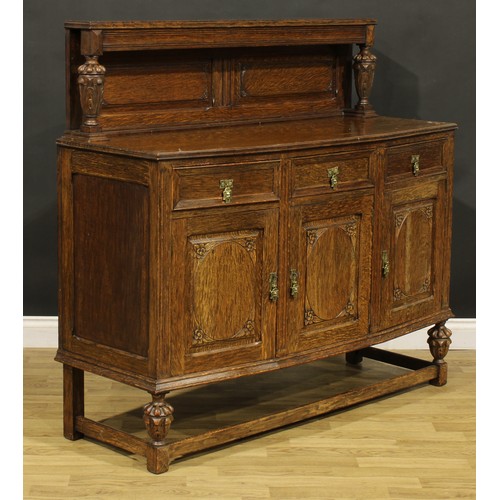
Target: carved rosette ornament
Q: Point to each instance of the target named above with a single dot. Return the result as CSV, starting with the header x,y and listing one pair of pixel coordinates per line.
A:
x,y
200,250
349,310
439,342
250,244
158,416
91,83
364,65
310,317
351,228
312,237
400,218
427,211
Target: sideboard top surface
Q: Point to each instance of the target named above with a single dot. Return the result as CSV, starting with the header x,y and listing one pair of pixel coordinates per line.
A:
x,y
239,23
259,137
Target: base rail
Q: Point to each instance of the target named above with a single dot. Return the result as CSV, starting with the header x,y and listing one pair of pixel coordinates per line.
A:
x,y
159,456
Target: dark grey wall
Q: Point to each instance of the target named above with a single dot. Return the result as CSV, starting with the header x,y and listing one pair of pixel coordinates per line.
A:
x,y
426,69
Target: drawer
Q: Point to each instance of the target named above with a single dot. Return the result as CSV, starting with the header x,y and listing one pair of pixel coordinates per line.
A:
x,y
225,185
414,160
330,173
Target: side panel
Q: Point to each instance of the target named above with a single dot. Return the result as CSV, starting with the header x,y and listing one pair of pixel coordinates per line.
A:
x,y
108,233
111,249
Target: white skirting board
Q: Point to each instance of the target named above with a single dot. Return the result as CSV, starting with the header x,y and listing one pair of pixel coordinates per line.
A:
x,y
41,331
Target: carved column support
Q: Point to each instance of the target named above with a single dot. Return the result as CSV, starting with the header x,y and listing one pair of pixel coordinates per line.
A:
x,y
158,416
439,343
364,72
91,84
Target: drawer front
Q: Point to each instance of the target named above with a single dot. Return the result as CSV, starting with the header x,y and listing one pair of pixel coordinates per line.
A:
x,y
330,173
225,185
414,160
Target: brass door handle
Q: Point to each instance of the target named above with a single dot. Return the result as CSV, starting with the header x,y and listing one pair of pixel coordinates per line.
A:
x,y
415,164
333,175
385,264
273,287
294,283
227,189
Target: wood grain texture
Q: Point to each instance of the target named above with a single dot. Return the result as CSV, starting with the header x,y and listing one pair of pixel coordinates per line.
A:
x,y
293,78
330,247
73,401
294,135
413,240
418,444
222,214
311,410
171,383
269,24
310,174
155,35
224,317
111,263
158,88
285,76
399,165
200,187
158,416
162,84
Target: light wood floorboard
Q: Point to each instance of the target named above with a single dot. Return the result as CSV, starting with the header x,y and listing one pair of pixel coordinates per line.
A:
x,y
419,443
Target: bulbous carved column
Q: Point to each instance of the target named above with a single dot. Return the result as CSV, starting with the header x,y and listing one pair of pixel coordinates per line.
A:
x,y
91,84
439,343
364,73
158,416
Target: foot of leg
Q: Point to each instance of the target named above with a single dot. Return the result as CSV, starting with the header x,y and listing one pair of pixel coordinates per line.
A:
x,y
353,358
157,459
73,402
439,343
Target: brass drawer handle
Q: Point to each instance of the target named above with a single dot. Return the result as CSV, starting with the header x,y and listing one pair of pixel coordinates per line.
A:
x,y
333,175
294,283
385,264
415,164
273,287
227,189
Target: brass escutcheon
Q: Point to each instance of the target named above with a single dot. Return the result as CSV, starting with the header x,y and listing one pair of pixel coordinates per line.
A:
x,y
385,264
227,189
273,287
415,163
333,175
294,283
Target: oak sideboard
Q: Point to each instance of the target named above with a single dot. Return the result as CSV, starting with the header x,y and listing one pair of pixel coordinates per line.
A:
x,y
224,211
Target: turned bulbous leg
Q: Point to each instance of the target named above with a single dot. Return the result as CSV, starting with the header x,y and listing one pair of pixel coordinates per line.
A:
x,y
158,416
439,343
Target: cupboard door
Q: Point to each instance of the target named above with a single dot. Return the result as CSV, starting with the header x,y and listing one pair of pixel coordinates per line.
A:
x,y
410,274
329,266
222,311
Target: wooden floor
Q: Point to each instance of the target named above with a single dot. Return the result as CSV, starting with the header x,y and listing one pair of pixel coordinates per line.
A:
x,y
419,443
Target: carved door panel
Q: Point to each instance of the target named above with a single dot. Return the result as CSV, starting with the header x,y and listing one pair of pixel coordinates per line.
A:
x,y
223,313
411,258
329,275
